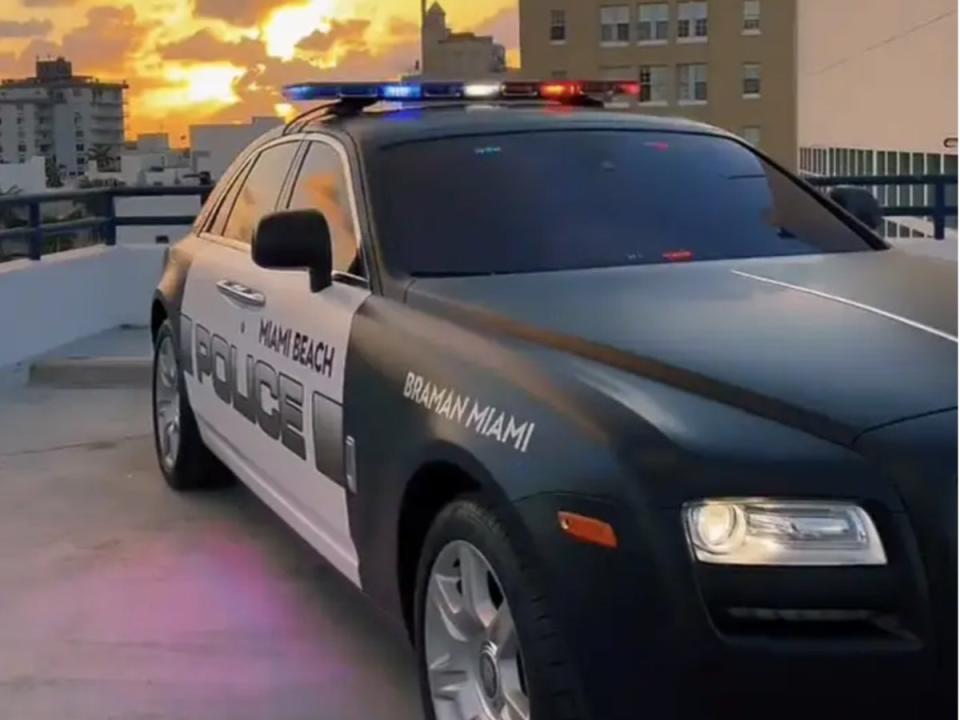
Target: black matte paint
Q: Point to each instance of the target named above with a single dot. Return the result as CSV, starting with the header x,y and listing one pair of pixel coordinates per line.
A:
x,y
646,388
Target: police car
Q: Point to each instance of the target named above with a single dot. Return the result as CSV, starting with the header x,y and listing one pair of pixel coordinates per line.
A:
x,y
619,418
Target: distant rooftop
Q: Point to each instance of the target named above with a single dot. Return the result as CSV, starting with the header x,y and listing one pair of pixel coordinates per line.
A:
x,y
58,72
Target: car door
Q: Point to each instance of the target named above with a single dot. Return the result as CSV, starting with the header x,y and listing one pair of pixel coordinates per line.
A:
x,y
304,336
222,302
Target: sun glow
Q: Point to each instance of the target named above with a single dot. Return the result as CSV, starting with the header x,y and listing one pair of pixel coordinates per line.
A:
x,y
210,83
205,88
290,24
284,110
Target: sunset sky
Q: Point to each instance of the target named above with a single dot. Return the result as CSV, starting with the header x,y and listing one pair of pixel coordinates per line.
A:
x,y
189,61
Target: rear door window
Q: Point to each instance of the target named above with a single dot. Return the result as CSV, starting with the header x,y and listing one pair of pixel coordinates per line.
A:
x,y
258,192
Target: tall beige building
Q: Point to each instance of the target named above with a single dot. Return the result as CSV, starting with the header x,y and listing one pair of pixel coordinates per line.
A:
x,y
818,84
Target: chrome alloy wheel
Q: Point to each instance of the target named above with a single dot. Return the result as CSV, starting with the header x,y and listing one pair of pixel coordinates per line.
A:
x,y
472,652
166,403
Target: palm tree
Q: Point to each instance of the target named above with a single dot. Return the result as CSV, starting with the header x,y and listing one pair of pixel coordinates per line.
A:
x,y
103,156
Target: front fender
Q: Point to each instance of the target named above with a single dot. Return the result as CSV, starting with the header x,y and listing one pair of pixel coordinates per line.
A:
x,y
421,390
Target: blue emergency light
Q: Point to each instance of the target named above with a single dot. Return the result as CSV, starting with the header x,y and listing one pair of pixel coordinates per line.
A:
x,y
367,92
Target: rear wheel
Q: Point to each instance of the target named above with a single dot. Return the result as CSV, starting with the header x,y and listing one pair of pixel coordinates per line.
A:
x,y
486,646
185,461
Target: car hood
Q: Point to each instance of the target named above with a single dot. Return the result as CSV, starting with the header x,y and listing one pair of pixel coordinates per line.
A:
x,y
833,344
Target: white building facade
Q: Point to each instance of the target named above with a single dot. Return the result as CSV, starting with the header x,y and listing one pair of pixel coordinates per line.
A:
x,y
68,119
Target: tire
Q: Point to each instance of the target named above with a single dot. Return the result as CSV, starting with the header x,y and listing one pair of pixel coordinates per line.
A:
x,y
546,676
186,464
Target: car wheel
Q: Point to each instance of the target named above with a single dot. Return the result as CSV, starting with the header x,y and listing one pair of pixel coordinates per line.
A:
x,y
486,645
185,461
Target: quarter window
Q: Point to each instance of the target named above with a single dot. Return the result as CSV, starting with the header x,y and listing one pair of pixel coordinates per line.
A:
x,y
615,25
322,185
653,22
259,191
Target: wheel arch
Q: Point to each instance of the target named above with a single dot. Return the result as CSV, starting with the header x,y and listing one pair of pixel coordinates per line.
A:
x,y
450,473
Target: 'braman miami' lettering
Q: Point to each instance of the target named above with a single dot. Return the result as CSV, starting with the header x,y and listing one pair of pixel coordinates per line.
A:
x,y
485,420
299,347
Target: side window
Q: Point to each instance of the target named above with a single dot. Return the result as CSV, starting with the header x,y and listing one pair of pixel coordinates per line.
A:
x,y
322,184
219,216
258,192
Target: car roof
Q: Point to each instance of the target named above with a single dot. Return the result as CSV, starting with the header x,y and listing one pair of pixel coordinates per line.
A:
x,y
380,128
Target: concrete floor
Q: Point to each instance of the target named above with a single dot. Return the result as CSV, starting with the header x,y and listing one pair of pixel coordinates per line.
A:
x,y
122,600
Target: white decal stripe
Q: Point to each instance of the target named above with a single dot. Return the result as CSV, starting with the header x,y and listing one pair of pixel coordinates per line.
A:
x,y
851,303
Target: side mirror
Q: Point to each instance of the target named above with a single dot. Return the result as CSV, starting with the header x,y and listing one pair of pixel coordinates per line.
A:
x,y
295,239
860,203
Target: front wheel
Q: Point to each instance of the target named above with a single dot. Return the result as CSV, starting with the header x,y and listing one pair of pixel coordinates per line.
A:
x,y
486,646
185,461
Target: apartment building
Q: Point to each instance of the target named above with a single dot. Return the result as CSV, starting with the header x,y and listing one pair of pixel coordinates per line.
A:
x,y
730,63
70,119
794,77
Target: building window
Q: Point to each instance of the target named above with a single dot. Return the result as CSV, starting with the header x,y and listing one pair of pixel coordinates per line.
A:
x,y
558,26
692,21
692,84
751,80
751,133
79,148
751,17
653,22
615,25
654,83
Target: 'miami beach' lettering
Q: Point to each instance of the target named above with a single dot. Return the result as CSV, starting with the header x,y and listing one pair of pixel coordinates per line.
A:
x,y
299,347
483,419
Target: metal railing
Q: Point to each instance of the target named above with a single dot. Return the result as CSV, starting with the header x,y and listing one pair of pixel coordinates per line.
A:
x,y
22,218
938,211
93,211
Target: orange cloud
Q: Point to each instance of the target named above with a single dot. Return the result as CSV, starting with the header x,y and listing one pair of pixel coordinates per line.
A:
x,y
192,61
24,28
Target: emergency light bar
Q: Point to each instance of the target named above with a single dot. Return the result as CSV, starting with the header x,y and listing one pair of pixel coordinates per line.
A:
x,y
561,90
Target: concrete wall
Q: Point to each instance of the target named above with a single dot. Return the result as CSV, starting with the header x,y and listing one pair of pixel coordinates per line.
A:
x,y
160,205
30,177
877,73
65,296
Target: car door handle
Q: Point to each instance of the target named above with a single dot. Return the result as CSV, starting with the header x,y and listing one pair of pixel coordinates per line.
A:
x,y
241,293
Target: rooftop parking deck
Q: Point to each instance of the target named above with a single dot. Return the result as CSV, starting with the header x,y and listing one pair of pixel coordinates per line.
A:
x,y
123,599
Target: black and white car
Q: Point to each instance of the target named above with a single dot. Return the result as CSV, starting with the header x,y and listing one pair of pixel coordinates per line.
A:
x,y
617,416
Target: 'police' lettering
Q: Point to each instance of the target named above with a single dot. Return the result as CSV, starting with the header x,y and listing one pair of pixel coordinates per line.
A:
x,y
291,416
204,359
268,418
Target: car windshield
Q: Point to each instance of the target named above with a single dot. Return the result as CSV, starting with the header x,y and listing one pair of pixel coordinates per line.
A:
x,y
535,201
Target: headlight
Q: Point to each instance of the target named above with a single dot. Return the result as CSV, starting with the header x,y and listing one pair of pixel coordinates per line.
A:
x,y
781,532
